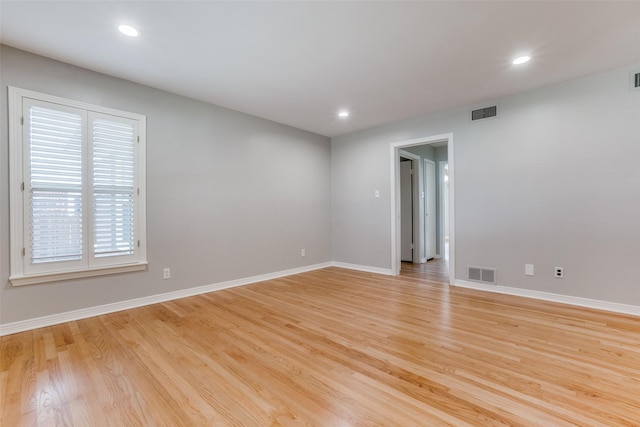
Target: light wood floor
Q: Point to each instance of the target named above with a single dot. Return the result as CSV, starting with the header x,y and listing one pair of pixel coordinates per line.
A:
x,y
331,347
434,270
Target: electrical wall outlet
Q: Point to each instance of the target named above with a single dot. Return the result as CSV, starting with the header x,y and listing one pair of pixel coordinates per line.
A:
x,y
558,272
166,273
303,252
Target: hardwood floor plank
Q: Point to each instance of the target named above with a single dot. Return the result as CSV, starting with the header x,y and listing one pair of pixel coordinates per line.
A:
x,y
331,347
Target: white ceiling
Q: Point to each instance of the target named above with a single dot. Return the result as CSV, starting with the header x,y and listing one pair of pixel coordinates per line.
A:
x,y
298,63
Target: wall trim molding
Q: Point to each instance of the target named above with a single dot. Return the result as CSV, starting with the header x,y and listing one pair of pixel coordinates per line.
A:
x,y
69,316
365,268
547,296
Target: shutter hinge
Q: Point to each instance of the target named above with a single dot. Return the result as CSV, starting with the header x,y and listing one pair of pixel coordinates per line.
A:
x,y
138,138
22,186
138,243
138,191
22,121
24,252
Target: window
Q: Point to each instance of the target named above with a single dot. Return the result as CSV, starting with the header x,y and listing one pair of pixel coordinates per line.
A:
x,y
77,189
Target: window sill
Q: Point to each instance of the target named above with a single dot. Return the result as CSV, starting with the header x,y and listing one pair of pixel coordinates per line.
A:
x,y
33,279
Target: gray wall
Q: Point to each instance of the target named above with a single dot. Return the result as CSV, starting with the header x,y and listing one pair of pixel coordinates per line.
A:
x,y
229,195
232,196
425,151
530,187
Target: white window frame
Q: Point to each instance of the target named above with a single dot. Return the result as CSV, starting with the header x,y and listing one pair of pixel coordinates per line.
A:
x,y
22,272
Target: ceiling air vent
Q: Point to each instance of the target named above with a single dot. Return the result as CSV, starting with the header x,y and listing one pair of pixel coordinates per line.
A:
x,y
484,113
482,274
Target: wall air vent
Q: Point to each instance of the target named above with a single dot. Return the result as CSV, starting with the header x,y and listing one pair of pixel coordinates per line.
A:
x,y
484,113
482,274
634,80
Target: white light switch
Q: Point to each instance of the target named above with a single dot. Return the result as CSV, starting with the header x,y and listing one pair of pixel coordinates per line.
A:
x,y
528,269
377,194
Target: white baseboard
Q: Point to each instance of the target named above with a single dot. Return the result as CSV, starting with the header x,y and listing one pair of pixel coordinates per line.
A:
x,y
54,319
69,316
547,296
368,269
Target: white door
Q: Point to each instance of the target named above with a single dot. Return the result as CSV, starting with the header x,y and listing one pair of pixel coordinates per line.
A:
x,y
406,211
430,209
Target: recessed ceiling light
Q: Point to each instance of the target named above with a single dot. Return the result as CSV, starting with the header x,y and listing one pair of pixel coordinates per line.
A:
x,y
521,60
128,30
343,114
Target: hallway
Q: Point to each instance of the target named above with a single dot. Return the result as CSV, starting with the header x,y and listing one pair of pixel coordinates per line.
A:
x,y
436,270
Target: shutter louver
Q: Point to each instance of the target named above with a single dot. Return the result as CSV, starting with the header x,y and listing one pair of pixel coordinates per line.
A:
x,y
113,188
55,161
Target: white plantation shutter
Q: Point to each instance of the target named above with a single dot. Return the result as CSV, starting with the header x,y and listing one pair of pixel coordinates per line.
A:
x,y
76,178
55,217
113,166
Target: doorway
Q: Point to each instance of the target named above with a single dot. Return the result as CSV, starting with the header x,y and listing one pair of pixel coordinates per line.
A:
x,y
396,220
406,210
411,225
430,210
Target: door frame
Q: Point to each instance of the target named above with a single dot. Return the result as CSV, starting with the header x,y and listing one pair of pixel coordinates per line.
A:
x,y
425,200
418,221
394,160
441,204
